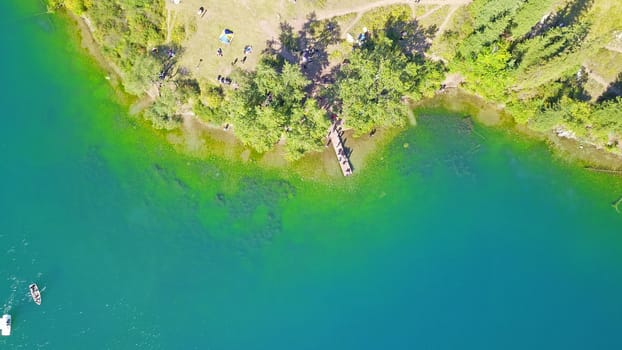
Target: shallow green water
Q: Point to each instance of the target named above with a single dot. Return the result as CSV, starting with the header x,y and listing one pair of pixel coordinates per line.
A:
x,y
463,240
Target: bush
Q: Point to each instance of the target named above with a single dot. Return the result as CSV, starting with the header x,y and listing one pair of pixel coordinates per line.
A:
x,y
163,113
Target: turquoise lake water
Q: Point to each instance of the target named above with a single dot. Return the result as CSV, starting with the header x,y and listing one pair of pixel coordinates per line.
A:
x,y
463,240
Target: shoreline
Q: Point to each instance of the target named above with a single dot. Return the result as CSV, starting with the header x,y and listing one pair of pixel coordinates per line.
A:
x,y
200,139
88,43
575,151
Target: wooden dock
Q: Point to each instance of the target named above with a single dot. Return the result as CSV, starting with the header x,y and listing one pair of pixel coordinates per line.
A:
x,y
334,138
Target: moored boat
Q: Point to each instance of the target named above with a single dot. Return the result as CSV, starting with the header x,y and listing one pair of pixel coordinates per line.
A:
x,y
35,293
5,325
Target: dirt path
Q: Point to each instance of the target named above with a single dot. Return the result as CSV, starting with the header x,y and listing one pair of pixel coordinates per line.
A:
x,y
361,10
321,15
427,14
597,78
602,81
613,48
169,25
450,15
360,14
413,9
453,81
352,24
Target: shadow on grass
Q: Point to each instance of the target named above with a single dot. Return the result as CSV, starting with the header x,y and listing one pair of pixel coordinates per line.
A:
x,y
308,47
403,34
573,87
613,91
567,16
167,57
409,35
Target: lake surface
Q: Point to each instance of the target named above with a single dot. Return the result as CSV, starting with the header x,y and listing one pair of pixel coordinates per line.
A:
x,y
457,236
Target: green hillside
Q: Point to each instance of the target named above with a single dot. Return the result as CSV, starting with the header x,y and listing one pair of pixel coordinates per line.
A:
x,y
556,65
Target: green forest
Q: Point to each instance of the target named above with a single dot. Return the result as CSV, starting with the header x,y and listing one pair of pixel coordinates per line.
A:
x,y
529,56
525,55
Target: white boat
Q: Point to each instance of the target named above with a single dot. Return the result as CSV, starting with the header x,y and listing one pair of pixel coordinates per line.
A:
x,y
35,293
5,325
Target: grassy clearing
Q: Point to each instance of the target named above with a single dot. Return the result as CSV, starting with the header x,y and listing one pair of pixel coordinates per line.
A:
x,y
606,63
258,22
594,89
254,24
606,20
250,27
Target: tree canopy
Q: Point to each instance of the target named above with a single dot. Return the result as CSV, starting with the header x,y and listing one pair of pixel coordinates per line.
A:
x,y
271,105
378,79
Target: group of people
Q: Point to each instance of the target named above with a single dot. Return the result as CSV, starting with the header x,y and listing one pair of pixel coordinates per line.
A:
x,y
227,81
307,56
247,50
170,53
224,80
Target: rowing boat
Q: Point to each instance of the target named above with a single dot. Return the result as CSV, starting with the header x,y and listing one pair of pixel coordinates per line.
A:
x,y
35,293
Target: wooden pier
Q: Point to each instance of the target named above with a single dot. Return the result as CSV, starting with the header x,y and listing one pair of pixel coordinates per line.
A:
x,y
334,138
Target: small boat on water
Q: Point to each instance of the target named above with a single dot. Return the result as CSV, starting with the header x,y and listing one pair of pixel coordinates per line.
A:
x,y
5,325
35,293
